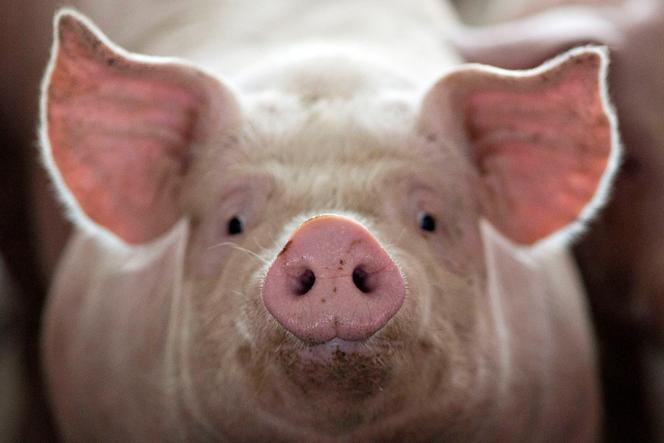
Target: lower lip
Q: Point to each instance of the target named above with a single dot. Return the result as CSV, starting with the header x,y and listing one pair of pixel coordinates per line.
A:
x,y
326,351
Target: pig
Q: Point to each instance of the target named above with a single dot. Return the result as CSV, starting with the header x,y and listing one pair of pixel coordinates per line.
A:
x,y
318,229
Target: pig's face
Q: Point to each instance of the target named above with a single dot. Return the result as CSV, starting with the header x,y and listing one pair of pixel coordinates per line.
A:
x,y
427,221
334,278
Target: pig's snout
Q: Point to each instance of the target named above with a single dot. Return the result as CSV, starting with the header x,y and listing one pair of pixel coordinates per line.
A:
x,y
333,279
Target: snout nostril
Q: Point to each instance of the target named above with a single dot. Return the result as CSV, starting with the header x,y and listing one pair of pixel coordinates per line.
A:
x,y
361,280
304,282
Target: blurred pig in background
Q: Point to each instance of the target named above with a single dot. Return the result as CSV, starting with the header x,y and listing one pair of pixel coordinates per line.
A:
x,y
622,258
483,12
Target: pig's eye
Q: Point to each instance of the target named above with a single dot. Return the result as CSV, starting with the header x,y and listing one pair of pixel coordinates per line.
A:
x,y
235,226
427,222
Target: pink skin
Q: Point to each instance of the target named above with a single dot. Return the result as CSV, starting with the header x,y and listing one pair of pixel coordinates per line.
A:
x,y
357,287
199,335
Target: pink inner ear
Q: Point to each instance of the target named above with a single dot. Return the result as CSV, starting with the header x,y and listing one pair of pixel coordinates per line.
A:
x,y
542,144
120,132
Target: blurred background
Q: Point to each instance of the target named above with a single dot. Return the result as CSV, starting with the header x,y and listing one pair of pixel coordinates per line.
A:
x,y
25,34
619,259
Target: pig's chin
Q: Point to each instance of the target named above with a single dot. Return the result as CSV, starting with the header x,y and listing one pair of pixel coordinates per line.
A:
x,y
341,388
345,379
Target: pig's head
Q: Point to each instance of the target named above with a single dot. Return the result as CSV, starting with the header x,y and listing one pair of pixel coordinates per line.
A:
x,y
334,279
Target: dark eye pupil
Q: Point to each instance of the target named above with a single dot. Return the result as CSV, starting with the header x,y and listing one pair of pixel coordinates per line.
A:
x,y
235,226
427,222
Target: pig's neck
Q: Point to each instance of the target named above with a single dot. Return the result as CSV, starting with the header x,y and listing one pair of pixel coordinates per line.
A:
x,y
229,37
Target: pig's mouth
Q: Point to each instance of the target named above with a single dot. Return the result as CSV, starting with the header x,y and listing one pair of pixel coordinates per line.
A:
x,y
341,368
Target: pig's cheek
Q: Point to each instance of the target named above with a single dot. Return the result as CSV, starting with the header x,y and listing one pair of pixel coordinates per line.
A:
x,y
207,255
441,300
459,250
428,306
257,324
210,263
220,360
437,326
225,288
412,318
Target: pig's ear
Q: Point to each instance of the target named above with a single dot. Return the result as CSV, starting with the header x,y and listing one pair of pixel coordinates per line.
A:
x,y
117,129
543,142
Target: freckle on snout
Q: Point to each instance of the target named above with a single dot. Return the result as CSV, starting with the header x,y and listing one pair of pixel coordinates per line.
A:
x,y
285,248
